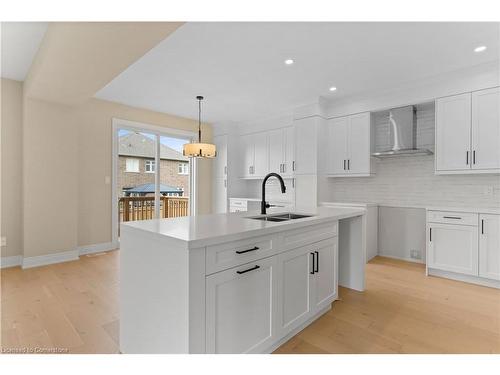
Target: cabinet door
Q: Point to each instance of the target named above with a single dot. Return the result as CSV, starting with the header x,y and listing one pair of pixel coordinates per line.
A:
x,y
276,150
326,274
240,308
453,248
294,288
486,129
219,195
220,162
248,153
359,144
338,132
289,151
306,145
489,246
261,164
453,128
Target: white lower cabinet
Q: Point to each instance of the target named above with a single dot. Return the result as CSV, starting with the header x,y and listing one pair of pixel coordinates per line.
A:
x,y
240,308
250,308
295,288
325,273
489,246
453,248
464,246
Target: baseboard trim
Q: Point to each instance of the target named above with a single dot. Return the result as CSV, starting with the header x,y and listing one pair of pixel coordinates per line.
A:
x,y
97,248
43,260
464,278
12,261
420,261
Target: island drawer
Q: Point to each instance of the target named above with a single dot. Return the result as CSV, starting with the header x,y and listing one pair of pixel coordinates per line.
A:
x,y
231,254
308,235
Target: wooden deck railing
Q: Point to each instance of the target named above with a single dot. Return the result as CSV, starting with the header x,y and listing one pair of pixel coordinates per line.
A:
x,y
143,208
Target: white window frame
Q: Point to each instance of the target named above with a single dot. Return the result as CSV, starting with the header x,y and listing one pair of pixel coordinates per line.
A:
x,y
151,164
136,164
120,124
183,168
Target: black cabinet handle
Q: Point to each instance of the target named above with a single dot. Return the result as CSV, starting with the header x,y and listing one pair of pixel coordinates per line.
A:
x,y
248,250
482,226
248,270
452,217
430,234
313,267
467,157
344,164
317,261
474,157
348,164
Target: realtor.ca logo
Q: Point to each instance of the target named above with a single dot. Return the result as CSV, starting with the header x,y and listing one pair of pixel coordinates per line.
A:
x,y
34,350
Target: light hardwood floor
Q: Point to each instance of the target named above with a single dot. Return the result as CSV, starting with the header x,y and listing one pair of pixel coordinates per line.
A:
x,y
74,306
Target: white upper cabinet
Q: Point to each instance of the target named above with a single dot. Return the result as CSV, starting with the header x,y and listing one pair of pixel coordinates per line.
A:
x,y
359,144
468,133
486,129
453,121
276,151
349,146
220,162
271,151
255,155
282,151
289,151
338,135
489,246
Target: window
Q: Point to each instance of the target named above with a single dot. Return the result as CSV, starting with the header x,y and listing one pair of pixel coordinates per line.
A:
x,y
132,165
149,166
183,168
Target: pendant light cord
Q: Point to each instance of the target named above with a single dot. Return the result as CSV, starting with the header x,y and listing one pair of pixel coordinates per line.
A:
x,y
199,118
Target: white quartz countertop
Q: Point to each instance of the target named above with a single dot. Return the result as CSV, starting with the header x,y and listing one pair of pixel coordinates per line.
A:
x,y
203,230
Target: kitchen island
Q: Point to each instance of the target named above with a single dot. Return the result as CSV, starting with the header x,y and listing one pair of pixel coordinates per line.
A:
x,y
233,283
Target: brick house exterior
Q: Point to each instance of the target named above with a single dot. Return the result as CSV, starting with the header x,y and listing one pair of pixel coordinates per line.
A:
x,y
138,150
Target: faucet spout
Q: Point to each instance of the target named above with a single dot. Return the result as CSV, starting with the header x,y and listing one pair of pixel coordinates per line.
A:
x,y
263,204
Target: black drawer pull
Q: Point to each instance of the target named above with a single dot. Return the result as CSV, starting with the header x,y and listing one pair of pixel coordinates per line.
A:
x,y
313,267
452,217
248,270
317,261
246,251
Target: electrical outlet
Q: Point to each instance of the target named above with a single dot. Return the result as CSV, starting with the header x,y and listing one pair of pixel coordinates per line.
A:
x,y
4,241
415,254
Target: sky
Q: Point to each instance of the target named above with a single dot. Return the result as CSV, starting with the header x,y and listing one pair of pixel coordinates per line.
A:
x,y
175,143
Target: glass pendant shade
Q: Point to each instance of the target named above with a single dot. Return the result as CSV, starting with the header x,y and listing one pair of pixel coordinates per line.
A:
x,y
199,150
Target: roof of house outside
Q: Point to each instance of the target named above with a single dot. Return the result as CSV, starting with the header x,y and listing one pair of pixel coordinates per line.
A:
x,y
137,144
150,188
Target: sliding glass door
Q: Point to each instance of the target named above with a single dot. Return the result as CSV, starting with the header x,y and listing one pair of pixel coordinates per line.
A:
x,y
152,178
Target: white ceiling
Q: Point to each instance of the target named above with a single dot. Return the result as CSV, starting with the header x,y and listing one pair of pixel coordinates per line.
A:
x,y
20,42
239,66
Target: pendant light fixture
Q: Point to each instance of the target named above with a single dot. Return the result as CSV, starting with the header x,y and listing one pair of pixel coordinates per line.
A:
x,y
199,150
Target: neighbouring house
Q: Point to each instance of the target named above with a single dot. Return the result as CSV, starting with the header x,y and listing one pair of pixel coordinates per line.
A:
x,y
137,167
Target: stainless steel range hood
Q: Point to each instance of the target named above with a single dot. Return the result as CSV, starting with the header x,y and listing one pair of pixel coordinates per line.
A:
x,y
402,134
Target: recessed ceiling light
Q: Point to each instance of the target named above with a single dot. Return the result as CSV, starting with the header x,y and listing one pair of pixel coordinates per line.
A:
x,y
333,88
480,49
289,61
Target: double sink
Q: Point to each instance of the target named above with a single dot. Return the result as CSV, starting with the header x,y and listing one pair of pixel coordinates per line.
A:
x,y
280,217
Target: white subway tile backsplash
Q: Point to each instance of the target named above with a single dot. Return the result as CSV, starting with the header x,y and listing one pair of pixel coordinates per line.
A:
x,y
410,181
